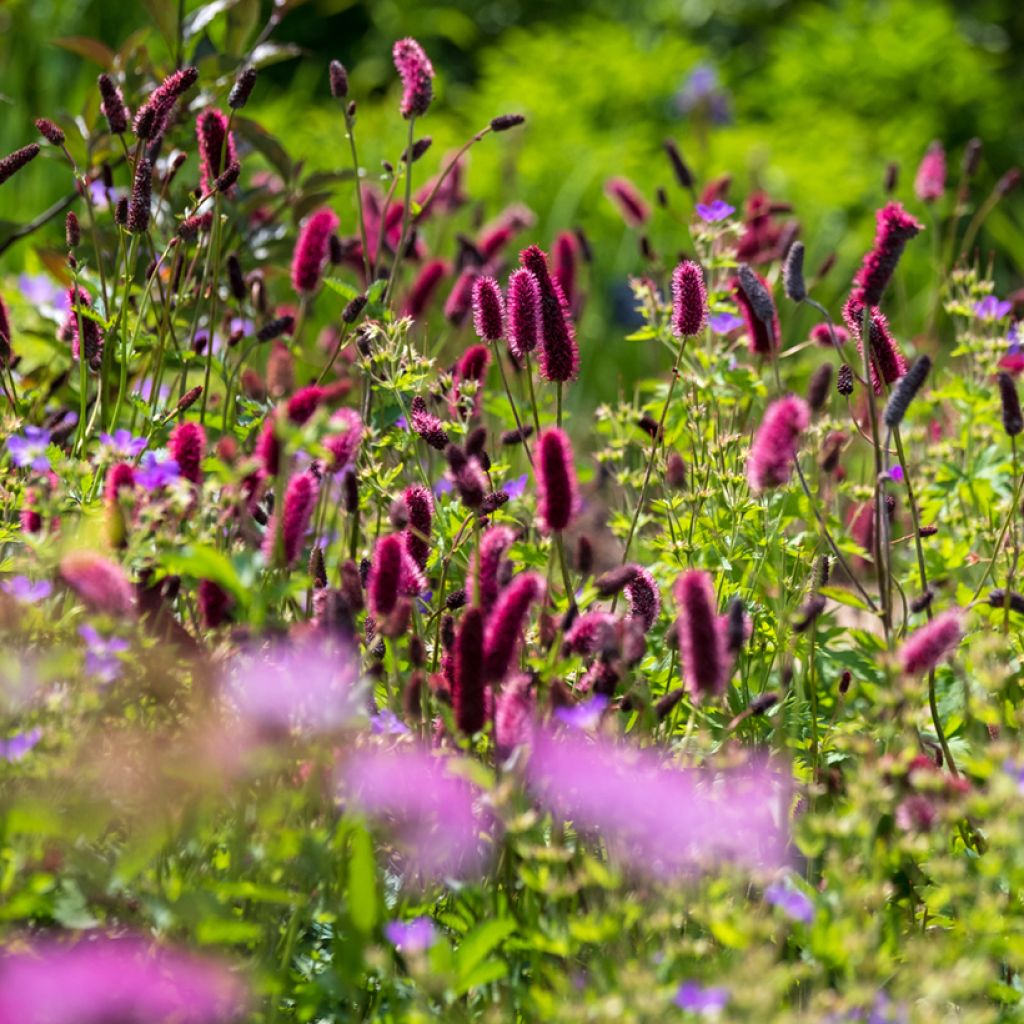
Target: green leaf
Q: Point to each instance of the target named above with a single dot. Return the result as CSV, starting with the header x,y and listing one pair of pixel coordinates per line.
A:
x,y
478,943
205,563
91,49
362,882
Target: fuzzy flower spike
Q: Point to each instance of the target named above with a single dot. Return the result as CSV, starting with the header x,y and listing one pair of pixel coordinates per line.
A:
x,y
311,251
558,501
559,357
689,300
417,74
702,642
773,452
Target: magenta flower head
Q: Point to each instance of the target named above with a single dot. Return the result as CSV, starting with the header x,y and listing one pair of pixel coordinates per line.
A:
x,y
590,633
139,206
887,361
894,228
419,509
347,434
100,583
468,681
514,715
216,146
312,250
928,646
523,313
564,257
187,444
14,162
300,499
757,307
644,598
494,545
86,336
689,300
423,288
773,452
558,500
5,335
506,622
460,299
215,604
113,105
301,406
623,193
417,74
488,309
124,979
384,583
559,355
427,425
930,183
151,118
702,641
121,477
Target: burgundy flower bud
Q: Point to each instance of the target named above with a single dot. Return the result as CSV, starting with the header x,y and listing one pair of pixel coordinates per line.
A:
x,y
905,391
560,358
810,611
895,227
113,105
317,568
644,598
72,230
468,676
353,308
311,251
887,361
613,581
121,212
187,444
460,299
121,477
928,646
819,387
488,309
844,380
679,166
518,436
675,470
384,581
142,197
972,157
299,501
759,314
151,118
455,600
821,335
494,545
624,195
1013,422
702,650
417,74
215,604
14,162
304,403
503,122
1004,186
774,450
5,335
86,333
350,491
558,500
892,177
226,181
689,300
50,131
419,148
793,273
563,260
242,89
419,510
523,313
339,79
236,280
216,146
505,623
275,328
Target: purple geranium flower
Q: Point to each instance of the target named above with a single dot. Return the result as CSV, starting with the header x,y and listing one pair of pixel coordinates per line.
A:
x,y
386,722
413,936
402,423
124,444
30,449
516,487
991,308
14,748
701,91
712,213
583,716
156,471
723,323
896,473
796,905
443,486
21,588
40,290
101,658
702,1001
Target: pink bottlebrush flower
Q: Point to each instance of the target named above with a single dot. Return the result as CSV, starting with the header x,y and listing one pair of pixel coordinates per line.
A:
x,y
505,623
385,579
932,643
702,640
558,500
140,203
216,146
300,499
590,633
488,309
121,477
89,335
423,288
623,193
887,361
514,712
419,508
268,447
5,335
344,442
523,313
113,105
429,810
460,300
930,183
215,604
494,545
124,979
468,689
187,444
151,118
100,583
689,300
894,228
762,336
411,579
304,403
861,522
472,366
559,356
427,425
14,162
657,819
644,598
774,450
564,258
417,74
312,251
820,335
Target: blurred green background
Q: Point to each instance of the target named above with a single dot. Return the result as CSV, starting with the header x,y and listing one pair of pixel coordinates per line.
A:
x,y
807,100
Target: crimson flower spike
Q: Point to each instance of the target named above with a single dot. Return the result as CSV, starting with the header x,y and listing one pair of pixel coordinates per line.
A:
x,y
559,354
702,647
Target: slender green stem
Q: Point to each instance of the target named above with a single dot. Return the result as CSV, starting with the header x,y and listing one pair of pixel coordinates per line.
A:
x,y
122,386
350,130
511,402
214,292
533,396
406,215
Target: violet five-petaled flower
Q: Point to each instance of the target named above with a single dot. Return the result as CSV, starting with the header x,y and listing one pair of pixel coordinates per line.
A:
x,y
156,471
413,936
796,905
713,212
583,716
991,308
701,1000
21,588
14,748
101,658
123,443
723,323
30,449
